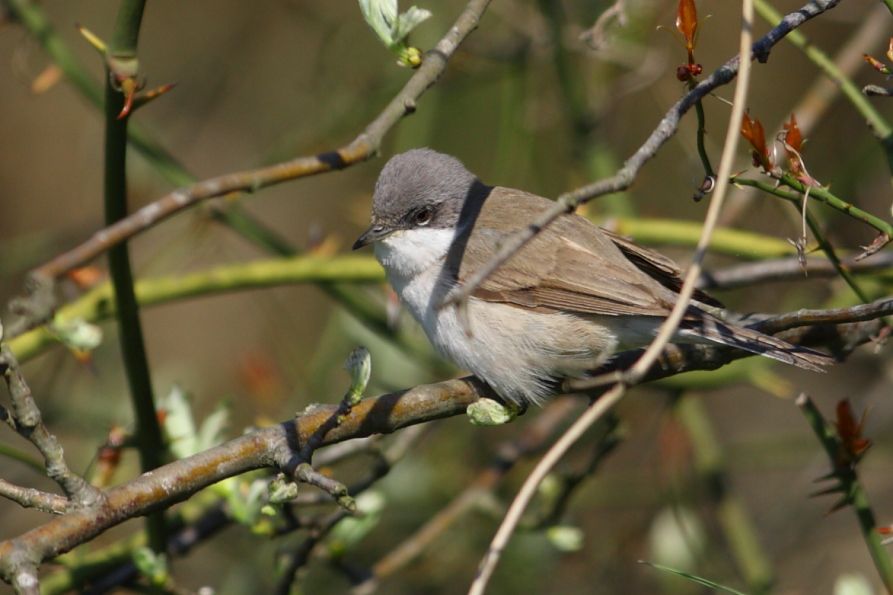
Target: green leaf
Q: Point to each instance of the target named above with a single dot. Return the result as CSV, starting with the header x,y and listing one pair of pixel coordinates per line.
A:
x,y
351,530
381,16
212,429
151,565
565,538
408,21
179,425
78,334
487,412
695,579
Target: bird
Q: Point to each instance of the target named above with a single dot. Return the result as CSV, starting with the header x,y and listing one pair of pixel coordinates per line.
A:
x,y
559,307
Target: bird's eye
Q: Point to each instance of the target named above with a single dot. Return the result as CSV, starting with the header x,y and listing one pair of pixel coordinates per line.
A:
x,y
423,216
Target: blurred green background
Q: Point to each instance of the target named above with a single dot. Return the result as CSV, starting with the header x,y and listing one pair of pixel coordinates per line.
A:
x,y
524,103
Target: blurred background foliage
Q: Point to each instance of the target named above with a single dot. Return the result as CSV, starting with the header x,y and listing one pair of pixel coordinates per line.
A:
x,y
524,103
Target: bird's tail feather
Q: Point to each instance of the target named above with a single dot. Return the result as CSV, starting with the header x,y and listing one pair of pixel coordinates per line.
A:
x,y
711,329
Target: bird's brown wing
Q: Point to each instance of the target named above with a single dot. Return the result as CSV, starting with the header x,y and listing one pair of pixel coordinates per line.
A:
x,y
657,266
587,275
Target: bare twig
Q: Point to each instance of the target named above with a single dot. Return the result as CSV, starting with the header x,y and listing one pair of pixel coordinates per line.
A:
x,y
595,411
302,554
871,311
596,36
532,439
783,269
566,203
32,498
25,417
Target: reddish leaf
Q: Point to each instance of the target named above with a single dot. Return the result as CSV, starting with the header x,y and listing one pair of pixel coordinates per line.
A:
x,y
850,432
687,24
793,141
85,277
890,50
752,131
888,530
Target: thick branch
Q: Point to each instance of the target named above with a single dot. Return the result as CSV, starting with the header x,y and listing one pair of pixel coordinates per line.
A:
x,y
277,445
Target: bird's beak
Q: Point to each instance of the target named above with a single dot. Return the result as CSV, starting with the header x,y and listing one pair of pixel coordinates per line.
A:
x,y
376,232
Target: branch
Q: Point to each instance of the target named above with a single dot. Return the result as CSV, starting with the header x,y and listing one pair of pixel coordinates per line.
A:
x,y
361,148
120,88
32,498
25,418
97,304
277,445
784,269
568,202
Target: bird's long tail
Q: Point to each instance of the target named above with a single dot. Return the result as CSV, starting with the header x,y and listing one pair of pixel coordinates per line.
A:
x,y
710,329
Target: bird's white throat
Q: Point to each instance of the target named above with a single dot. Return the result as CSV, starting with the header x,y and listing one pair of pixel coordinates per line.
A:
x,y
409,252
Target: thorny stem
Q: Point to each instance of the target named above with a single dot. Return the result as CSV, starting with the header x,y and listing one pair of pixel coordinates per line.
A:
x,y
851,489
821,194
148,430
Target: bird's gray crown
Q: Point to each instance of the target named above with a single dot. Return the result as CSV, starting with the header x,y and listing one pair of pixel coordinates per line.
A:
x,y
421,182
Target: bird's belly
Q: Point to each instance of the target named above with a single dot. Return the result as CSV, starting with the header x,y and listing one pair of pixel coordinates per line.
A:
x,y
516,351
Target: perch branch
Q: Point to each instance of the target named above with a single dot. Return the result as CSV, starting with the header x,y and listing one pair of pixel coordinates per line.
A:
x,y
274,446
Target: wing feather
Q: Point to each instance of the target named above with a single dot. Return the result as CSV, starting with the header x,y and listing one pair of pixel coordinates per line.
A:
x,y
589,275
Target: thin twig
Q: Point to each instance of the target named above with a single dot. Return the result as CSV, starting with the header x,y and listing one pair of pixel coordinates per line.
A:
x,y
595,411
149,442
784,269
669,326
26,419
33,498
532,439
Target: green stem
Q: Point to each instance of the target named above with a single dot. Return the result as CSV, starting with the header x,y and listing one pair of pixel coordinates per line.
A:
x,y
741,244
150,443
829,251
851,488
821,194
733,519
701,134
881,128
97,304
17,455
889,5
